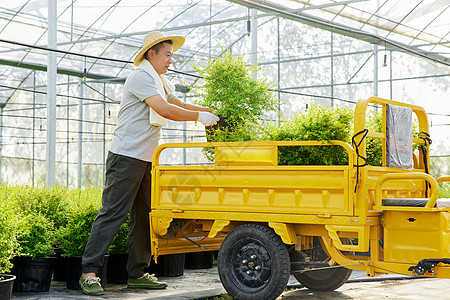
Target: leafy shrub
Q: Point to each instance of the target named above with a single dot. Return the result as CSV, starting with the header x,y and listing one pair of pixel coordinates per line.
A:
x,y
9,245
444,190
34,210
49,202
36,236
232,92
84,207
317,123
74,237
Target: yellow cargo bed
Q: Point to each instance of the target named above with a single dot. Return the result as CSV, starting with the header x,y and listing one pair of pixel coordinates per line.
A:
x,y
269,220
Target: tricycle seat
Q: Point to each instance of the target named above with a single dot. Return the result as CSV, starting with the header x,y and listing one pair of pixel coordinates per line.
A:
x,y
415,202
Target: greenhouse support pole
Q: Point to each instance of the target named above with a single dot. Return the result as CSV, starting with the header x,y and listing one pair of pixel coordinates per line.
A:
x,y
278,70
80,134
51,93
34,128
375,58
375,70
254,37
67,130
104,134
184,135
390,75
332,69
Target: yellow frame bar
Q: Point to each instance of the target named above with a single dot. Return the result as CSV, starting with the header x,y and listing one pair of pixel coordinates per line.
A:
x,y
346,146
406,176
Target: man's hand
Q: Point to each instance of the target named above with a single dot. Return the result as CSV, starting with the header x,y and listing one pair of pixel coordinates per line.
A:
x,y
207,118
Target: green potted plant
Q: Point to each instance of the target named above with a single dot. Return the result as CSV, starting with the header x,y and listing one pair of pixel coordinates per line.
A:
x,y
84,206
51,203
9,245
233,93
33,267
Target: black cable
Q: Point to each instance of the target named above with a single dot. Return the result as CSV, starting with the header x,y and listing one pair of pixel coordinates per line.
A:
x,y
364,132
426,142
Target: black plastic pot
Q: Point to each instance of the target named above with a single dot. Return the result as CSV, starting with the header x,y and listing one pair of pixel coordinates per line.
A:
x,y
171,265
199,260
116,271
6,286
32,275
73,272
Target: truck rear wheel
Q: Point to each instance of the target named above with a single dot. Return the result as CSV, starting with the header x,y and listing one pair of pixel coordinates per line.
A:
x,y
321,280
253,263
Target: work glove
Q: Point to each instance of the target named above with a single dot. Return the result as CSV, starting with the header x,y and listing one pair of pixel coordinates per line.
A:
x,y
207,118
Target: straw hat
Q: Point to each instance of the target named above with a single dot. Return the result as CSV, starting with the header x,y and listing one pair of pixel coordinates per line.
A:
x,y
155,37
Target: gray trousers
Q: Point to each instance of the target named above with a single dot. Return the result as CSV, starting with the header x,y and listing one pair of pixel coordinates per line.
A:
x,y
127,189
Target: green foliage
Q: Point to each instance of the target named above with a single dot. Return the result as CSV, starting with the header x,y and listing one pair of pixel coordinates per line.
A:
x,y
231,91
37,211
48,201
36,235
8,234
40,217
74,236
85,205
317,123
444,190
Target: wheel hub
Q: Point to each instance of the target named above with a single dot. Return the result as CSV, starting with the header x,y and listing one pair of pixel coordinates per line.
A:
x,y
252,265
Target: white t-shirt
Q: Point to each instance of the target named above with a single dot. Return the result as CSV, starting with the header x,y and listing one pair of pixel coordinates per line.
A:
x,y
134,136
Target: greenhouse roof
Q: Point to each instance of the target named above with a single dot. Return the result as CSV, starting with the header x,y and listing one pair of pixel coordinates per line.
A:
x,y
114,28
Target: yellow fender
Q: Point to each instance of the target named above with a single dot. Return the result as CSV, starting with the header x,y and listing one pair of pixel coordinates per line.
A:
x,y
217,226
285,231
161,225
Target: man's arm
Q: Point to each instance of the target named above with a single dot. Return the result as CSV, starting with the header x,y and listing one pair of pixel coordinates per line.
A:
x,y
170,110
188,106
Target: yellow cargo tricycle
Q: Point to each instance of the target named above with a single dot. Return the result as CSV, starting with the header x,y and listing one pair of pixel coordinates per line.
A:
x,y
316,222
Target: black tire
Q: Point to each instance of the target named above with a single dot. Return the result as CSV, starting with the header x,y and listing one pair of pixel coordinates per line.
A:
x,y
321,280
253,263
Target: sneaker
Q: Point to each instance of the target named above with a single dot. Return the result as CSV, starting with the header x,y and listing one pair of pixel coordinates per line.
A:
x,y
146,282
91,286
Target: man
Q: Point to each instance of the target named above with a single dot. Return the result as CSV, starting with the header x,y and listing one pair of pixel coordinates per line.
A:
x,y
148,100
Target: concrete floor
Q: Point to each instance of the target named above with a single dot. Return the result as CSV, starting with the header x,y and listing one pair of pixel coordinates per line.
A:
x,y
205,284
376,289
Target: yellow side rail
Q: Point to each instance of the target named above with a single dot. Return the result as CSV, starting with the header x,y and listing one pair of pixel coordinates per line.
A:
x,y
346,146
443,179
